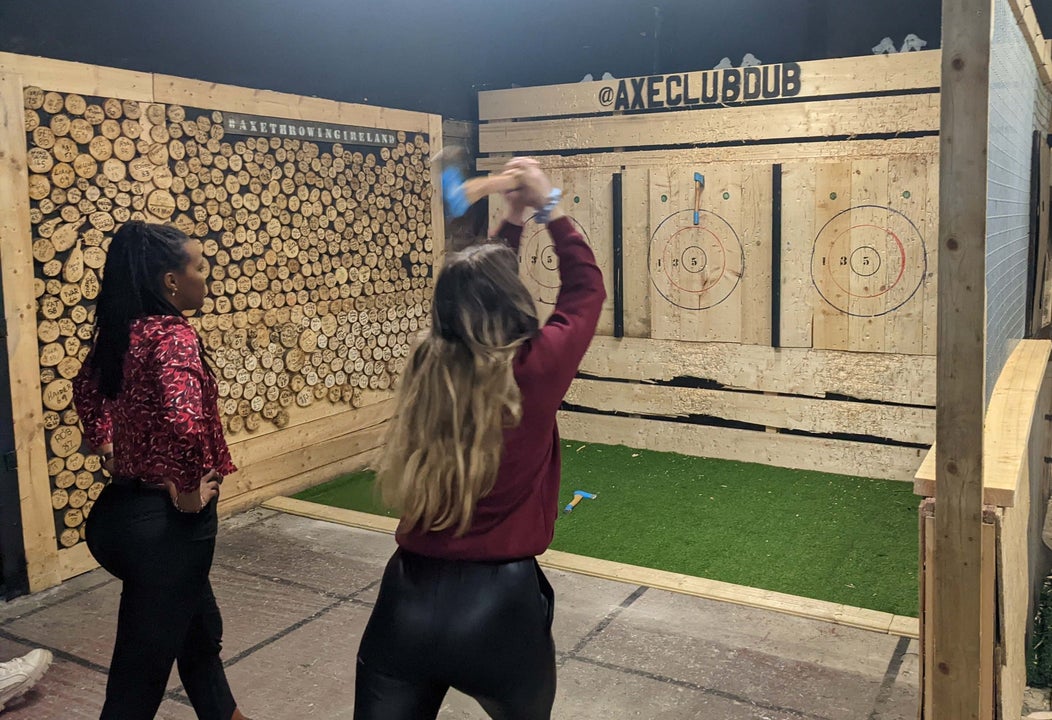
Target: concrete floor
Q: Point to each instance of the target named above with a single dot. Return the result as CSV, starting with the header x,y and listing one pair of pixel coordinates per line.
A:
x,y
296,594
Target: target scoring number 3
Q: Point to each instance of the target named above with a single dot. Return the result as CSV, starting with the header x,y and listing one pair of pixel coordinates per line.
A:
x,y
868,260
540,262
695,267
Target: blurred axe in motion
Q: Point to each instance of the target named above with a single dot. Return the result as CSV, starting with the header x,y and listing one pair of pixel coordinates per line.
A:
x,y
459,192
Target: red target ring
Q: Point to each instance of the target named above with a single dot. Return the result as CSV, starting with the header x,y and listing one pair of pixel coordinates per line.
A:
x,y
695,267
868,260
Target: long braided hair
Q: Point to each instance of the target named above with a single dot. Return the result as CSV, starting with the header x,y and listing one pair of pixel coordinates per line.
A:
x,y
139,255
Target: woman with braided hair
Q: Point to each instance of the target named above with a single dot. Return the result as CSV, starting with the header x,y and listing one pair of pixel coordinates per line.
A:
x,y
148,402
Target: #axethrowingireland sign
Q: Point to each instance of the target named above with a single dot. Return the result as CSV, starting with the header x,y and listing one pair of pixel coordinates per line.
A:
x,y
256,125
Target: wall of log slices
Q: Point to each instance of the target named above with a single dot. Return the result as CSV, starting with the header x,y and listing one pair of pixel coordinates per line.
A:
x,y
320,273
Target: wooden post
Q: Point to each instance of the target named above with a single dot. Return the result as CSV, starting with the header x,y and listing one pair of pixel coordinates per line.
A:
x,y
957,616
16,263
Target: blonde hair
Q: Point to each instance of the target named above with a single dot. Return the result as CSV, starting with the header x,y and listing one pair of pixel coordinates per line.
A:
x,y
458,392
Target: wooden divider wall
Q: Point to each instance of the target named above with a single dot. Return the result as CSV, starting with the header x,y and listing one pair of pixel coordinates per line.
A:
x,y
813,252
320,256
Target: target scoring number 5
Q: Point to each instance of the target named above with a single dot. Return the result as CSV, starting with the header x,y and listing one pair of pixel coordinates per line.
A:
x,y
868,260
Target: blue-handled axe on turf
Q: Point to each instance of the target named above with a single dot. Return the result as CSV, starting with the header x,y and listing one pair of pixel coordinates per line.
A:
x,y
577,495
699,185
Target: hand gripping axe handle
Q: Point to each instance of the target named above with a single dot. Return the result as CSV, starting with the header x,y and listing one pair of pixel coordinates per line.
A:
x,y
459,192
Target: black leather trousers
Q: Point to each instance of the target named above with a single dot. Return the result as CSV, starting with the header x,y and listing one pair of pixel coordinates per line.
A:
x,y
483,628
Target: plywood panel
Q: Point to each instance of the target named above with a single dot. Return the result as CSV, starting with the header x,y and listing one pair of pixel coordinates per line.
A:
x,y
798,222
869,269
832,199
870,257
711,281
309,458
588,202
299,482
816,119
637,229
842,76
884,377
908,193
20,310
894,422
255,450
755,152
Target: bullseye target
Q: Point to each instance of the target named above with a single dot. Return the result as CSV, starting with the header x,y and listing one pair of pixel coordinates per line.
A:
x,y
539,261
695,267
868,261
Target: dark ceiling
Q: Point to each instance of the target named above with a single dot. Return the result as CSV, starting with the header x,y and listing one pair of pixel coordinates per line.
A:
x,y
435,56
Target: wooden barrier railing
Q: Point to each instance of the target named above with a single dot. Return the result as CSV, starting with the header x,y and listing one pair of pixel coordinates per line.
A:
x,y
1015,493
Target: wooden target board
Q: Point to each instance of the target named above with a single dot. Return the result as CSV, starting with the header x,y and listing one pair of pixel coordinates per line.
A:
x,y
320,259
588,202
860,240
710,279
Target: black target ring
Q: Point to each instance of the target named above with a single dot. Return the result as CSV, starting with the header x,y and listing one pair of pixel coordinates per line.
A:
x,y
540,262
695,267
885,263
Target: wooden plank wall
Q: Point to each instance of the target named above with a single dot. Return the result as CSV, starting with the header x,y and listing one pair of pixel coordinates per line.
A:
x,y
822,360
1015,484
318,438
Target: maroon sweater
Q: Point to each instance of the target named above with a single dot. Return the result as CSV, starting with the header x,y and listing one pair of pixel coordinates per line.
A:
x,y
517,518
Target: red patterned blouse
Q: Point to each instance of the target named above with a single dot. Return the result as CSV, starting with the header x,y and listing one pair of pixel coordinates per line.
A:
x,y
165,422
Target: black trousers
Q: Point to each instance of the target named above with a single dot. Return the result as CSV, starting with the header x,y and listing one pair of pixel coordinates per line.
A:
x,y
168,612
483,628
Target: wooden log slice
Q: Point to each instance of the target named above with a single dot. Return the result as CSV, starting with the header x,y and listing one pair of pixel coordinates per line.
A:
x,y
65,440
141,169
176,114
81,131
78,498
69,537
58,395
155,114
123,149
73,518
95,490
110,129
69,367
112,108
31,120
51,354
60,498
89,285
63,175
161,204
39,160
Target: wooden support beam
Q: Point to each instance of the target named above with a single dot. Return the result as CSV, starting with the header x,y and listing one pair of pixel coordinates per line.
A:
x,y
20,314
958,608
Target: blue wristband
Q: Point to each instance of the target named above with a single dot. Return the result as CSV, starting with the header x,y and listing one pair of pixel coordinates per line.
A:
x,y
545,213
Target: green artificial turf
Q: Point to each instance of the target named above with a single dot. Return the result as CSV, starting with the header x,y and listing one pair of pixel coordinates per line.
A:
x,y
830,537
